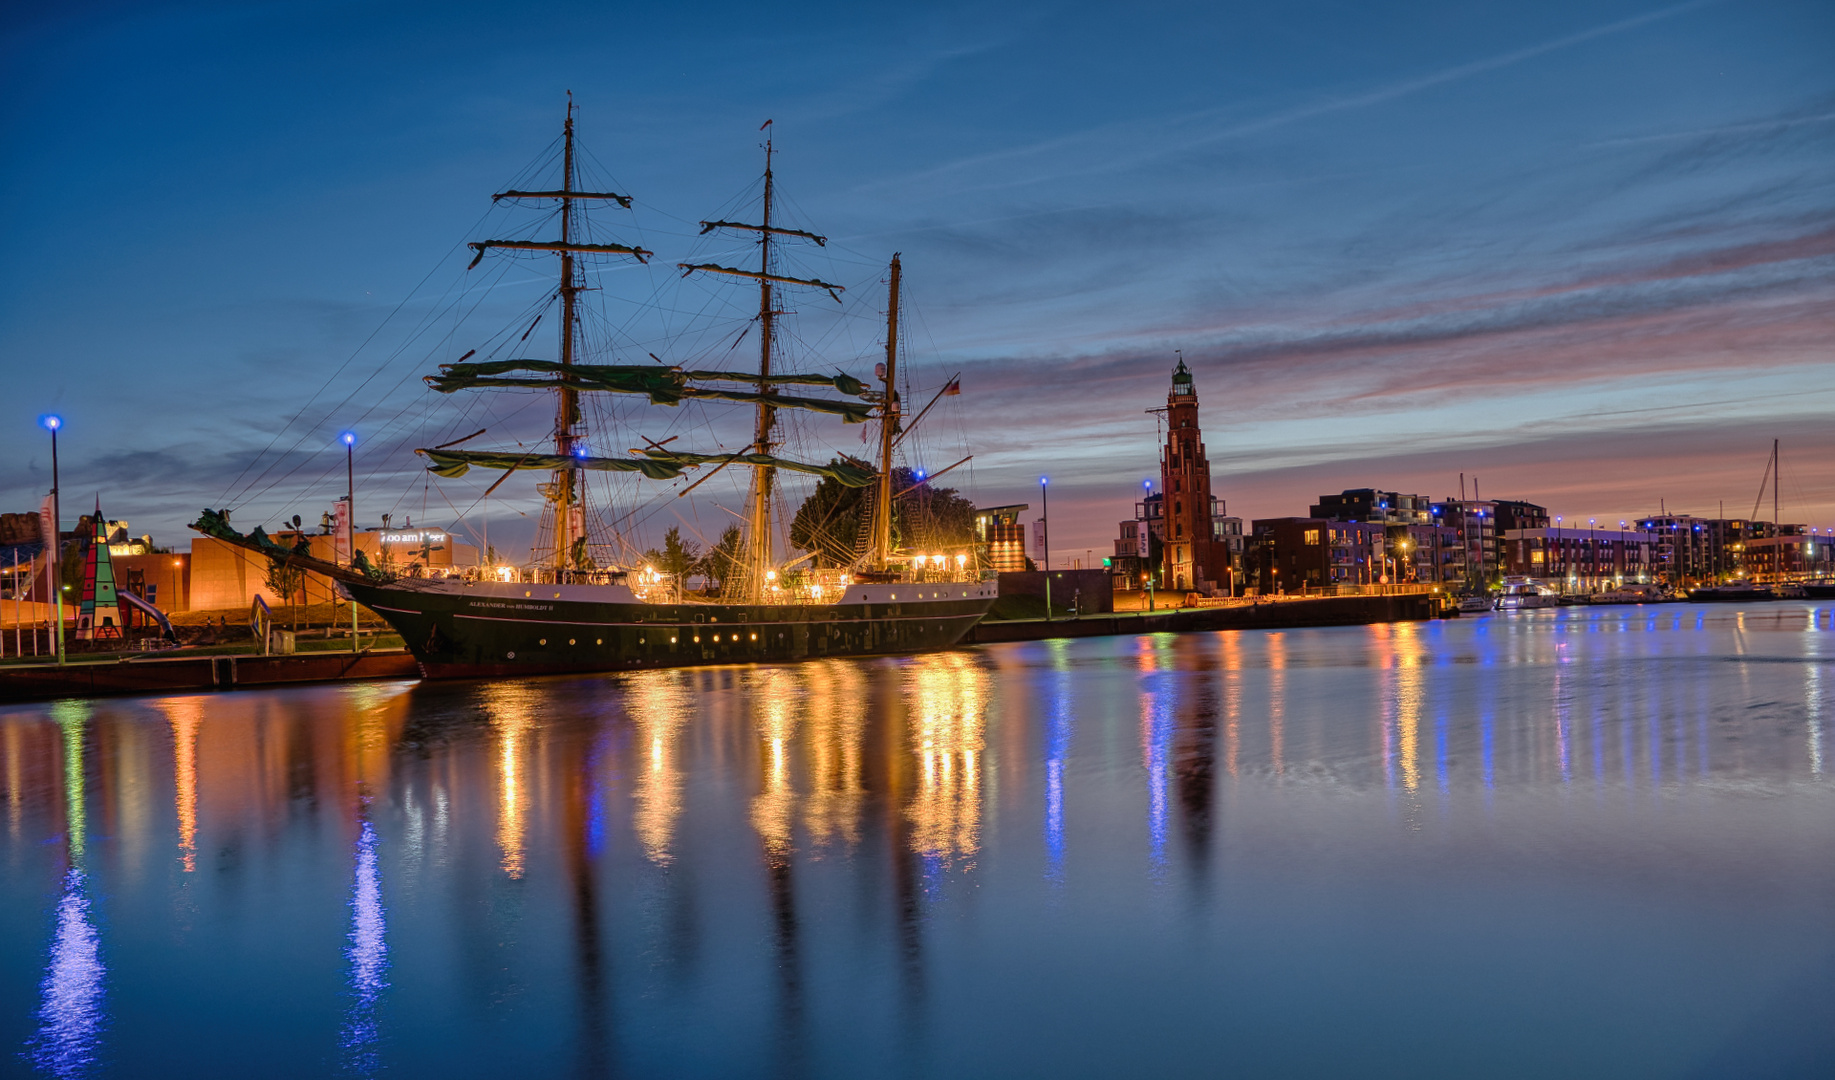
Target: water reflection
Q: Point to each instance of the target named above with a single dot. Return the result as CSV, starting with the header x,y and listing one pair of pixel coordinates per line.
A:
x,y
837,718
508,709
70,1012
184,715
948,700
1158,690
658,704
804,870
367,955
778,702
70,1016
1060,728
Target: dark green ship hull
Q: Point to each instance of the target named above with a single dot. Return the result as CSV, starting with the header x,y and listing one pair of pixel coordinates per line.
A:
x,y
461,632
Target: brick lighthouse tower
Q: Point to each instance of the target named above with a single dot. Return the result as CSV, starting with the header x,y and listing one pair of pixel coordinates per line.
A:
x,y
1194,560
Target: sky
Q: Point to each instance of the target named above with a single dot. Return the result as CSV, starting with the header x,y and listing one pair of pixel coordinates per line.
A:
x,y
1581,252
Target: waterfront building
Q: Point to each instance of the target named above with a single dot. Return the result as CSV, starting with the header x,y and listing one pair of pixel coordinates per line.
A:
x,y
1474,521
1289,554
1515,514
1002,537
1684,548
1370,504
1582,559
223,575
1192,559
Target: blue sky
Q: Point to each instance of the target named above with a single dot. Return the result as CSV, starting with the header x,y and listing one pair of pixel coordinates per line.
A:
x,y
1583,251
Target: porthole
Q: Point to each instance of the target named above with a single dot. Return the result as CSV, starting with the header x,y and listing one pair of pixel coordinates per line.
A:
x,y
598,641
640,641
672,639
509,656
570,641
557,596
697,639
543,641
526,592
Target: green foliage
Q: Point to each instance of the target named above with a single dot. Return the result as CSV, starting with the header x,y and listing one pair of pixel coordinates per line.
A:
x,y
678,556
721,562
924,518
283,579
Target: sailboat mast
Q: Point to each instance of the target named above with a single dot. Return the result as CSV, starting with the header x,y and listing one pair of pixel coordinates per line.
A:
x,y
888,429
567,404
762,476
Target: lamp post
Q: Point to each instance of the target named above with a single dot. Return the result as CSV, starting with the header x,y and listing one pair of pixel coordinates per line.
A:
x,y
349,439
1592,556
1561,548
1045,539
52,422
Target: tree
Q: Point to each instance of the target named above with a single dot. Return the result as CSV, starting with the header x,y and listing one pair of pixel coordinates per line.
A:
x,y
722,560
924,518
678,557
284,579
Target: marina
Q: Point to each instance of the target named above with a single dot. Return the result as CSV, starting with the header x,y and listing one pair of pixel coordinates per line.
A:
x,y
1152,853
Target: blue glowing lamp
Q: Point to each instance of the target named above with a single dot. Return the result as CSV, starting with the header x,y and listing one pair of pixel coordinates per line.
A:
x,y
1043,480
349,438
1147,485
920,474
51,421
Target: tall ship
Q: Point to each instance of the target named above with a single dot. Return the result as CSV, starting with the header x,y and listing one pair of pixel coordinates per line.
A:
x,y
573,608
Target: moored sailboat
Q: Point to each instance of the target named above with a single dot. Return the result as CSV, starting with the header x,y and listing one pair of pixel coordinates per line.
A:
x,y
571,614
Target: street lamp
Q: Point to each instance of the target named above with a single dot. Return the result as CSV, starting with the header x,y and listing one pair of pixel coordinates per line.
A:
x,y
1045,539
349,439
52,422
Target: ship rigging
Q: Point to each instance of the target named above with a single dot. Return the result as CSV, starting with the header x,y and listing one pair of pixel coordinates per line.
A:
x,y
512,620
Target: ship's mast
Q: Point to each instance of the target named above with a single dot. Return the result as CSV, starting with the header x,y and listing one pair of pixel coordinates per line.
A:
x,y
560,490
757,560
888,430
760,544
567,403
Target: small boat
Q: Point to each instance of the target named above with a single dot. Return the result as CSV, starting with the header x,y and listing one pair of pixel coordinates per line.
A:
x,y
1819,590
1474,605
1731,594
1524,594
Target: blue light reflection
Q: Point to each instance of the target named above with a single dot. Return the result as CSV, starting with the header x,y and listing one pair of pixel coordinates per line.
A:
x,y
70,1012
368,957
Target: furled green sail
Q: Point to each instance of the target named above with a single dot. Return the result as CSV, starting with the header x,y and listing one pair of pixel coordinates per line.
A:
x,y
662,385
843,472
655,464
455,463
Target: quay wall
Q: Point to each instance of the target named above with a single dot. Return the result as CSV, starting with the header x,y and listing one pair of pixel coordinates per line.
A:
x,y
42,682
1272,615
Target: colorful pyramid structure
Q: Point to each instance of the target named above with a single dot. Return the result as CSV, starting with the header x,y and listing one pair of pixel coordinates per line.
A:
x,y
100,615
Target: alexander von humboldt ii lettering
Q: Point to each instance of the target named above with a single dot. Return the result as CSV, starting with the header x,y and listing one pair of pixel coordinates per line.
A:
x,y
567,613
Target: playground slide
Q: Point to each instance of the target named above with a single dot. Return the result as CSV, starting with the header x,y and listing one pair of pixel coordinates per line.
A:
x,y
154,613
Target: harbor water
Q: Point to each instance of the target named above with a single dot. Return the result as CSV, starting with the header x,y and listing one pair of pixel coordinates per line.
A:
x,y
1584,842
